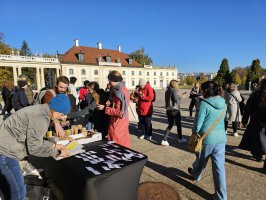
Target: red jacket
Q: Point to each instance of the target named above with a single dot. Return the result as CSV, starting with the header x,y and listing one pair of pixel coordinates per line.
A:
x,y
145,106
118,126
82,93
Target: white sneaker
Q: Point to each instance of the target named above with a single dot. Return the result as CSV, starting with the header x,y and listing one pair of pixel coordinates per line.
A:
x,y
235,134
183,140
164,143
141,137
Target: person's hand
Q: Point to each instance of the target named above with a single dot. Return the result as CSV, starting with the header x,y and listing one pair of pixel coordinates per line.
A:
x,y
63,117
59,130
100,107
108,103
59,146
64,153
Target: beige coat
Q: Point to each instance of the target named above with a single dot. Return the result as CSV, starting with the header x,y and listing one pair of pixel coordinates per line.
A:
x,y
233,110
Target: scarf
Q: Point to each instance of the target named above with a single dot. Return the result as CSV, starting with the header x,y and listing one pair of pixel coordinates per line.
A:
x,y
117,91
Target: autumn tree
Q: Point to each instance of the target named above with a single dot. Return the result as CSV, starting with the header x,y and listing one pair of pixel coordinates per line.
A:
x,y
203,78
4,48
25,50
189,80
140,56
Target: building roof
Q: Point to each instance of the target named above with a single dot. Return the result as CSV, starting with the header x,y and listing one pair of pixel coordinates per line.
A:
x,y
91,56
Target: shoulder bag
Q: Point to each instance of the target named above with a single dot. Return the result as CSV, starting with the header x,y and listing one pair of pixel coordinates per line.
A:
x,y
195,140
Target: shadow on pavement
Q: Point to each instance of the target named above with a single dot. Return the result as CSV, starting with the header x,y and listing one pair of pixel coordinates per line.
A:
x,y
260,170
179,177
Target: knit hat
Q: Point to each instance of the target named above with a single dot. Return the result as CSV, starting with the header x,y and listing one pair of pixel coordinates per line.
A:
x,y
142,82
60,103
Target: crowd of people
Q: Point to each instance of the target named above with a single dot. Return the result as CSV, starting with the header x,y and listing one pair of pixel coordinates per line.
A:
x,y
106,111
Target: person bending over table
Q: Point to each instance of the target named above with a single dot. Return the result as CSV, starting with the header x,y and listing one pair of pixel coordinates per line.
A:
x,y
22,134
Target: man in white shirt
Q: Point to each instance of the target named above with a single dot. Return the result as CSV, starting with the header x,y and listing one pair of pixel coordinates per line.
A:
x,y
72,88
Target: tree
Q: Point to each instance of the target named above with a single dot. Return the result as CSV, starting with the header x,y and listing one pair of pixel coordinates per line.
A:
x,y
190,80
25,50
254,73
203,78
237,79
223,75
6,73
4,48
141,57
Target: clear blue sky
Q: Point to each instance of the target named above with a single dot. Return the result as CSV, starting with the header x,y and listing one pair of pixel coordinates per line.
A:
x,y
194,35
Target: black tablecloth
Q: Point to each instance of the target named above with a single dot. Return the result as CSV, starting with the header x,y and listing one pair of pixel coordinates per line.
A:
x,y
77,180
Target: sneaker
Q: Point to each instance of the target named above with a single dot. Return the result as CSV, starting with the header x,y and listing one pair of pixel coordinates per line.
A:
x,y
141,137
149,138
235,134
164,143
189,170
183,140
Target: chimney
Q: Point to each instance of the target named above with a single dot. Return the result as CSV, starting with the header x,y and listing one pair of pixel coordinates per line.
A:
x,y
100,45
76,42
119,48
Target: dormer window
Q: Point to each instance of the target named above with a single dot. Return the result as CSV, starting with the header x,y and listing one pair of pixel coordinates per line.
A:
x,y
108,58
130,61
81,56
118,60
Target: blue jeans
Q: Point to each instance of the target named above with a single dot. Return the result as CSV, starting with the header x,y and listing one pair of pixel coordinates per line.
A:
x,y
11,179
217,154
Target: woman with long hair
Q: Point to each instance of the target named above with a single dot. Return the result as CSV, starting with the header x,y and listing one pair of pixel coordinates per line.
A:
x,y
255,114
117,110
172,105
211,109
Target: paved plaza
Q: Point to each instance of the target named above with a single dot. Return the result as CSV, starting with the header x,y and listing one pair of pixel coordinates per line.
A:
x,y
245,178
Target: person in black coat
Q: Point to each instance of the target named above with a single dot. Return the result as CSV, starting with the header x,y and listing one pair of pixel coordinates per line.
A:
x,y
6,92
255,110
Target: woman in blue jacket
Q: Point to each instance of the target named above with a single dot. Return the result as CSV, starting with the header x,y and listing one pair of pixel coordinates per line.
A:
x,y
210,108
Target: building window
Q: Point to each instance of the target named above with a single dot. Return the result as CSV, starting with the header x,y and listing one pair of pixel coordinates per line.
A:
x,y
96,72
132,83
154,73
81,57
148,73
83,72
132,73
140,73
161,73
154,82
71,71
173,73
167,74
123,72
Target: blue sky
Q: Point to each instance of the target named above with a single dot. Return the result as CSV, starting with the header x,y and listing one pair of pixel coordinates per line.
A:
x,y
194,35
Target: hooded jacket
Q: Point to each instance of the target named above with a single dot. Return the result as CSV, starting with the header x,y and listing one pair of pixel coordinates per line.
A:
x,y
209,110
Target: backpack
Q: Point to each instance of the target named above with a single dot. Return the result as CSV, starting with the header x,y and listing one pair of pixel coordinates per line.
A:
x,y
39,96
14,100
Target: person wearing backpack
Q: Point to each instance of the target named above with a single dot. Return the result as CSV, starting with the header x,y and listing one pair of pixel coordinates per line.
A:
x,y
18,96
172,105
145,108
28,90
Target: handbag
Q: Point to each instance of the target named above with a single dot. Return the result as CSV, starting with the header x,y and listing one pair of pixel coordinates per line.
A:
x,y
195,140
132,113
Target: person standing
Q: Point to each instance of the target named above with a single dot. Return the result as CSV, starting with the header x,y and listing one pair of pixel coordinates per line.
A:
x,y
27,88
72,89
117,110
194,94
145,108
20,99
22,134
172,105
255,119
210,109
232,98
6,92
82,94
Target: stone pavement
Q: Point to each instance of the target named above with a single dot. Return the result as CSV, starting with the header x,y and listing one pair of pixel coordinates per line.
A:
x,y
245,178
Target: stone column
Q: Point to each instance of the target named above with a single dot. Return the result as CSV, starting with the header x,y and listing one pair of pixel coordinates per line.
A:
x,y
15,75
38,78
57,72
19,70
42,77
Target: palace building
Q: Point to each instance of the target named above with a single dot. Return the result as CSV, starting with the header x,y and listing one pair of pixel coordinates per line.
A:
x,y
89,63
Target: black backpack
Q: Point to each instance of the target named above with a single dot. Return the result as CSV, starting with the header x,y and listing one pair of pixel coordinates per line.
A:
x,y
14,100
